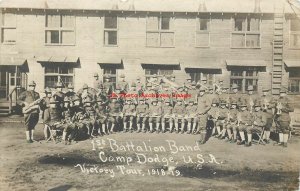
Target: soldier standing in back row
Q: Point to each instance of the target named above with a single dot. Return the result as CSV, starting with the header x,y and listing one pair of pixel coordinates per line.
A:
x,y
30,100
124,86
97,82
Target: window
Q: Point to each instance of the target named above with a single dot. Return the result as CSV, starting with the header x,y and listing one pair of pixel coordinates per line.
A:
x,y
159,72
159,32
110,31
295,33
60,30
197,76
202,32
244,77
246,33
294,81
9,28
112,72
59,72
15,77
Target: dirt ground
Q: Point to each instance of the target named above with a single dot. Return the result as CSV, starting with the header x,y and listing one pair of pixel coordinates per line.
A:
x,y
51,166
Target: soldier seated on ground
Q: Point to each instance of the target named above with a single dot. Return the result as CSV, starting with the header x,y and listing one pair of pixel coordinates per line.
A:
x,y
221,122
142,113
128,115
155,112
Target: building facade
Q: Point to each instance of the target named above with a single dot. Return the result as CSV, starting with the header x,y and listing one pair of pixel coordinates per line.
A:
x,y
256,42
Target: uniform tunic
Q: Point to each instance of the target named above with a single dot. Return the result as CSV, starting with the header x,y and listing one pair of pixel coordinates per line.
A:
x,y
31,118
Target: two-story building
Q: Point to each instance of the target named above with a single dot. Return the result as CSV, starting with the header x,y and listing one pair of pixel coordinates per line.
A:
x,y
248,42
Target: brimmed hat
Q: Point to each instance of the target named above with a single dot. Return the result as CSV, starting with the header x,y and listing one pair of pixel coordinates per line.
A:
x,y
122,76
235,86
85,86
32,83
202,89
214,101
70,86
283,90
133,84
58,85
47,90
203,78
96,75
53,100
250,88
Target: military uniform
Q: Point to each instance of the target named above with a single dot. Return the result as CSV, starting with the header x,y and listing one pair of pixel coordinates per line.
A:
x,y
191,116
31,117
193,92
101,112
232,123
115,113
221,122
97,84
108,87
179,113
155,113
142,112
203,107
139,86
129,114
244,118
167,115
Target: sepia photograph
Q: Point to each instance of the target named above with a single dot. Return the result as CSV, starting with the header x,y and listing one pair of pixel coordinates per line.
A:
x,y
150,95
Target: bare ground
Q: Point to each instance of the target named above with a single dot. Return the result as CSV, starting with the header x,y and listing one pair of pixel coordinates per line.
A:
x,y
50,166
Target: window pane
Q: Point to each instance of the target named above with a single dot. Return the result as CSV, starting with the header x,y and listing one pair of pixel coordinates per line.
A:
x,y
203,24
295,25
195,77
12,81
239,82
110,22
151,71
166,39
9,35
52,37
238,40
294,85
67,37
68,21
9,19
67,80
152,23
236,73
53,21
239,24
152,39
50,81
202,39
209,78
109,71
165,23
51,70
253,24
110,37
165,72
253,40
295,40
250,82
294,73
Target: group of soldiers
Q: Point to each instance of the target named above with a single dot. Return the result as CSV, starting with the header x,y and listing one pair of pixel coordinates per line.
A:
x,y
159,106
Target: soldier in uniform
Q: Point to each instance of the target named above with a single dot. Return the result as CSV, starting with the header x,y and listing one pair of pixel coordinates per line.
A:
x,y
250,98
191,116
234,95
98,85
108,87
115,113
218,86
244,118
179,112
213,115
101,113
203,83
129,114
221,122
267,105
167,116
30,101
282,117
67,121
70,93
85,93
59,95
91,116
188,83
45,105
139,86
193,92
259,122
173,78
124,86
155,113
232,122
203,107
224,96
142,112
132,94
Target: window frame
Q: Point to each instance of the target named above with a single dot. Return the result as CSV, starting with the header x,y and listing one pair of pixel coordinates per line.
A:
x,y
293,33
294,78
245,32
59,75
198,31
111,75
161,31
111,30
158,73
60,29
4,27
244,76
202,74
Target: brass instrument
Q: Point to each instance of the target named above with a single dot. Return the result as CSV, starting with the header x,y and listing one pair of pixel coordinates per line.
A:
x,y
32,106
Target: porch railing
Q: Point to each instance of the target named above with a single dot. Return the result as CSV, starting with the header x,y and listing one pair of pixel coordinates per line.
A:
x,y
12,99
